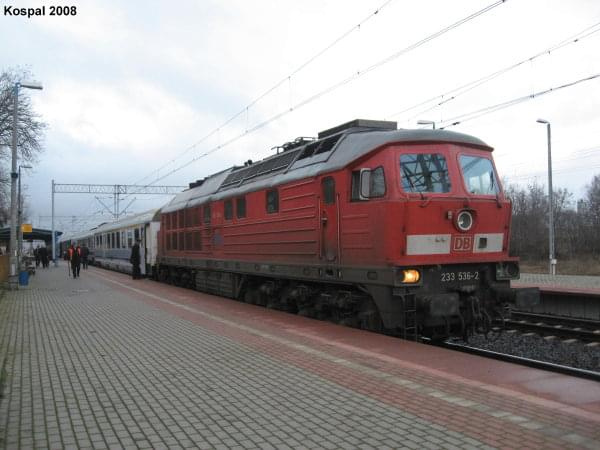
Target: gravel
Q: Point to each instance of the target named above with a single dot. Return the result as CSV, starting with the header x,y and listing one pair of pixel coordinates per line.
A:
x,y
567,353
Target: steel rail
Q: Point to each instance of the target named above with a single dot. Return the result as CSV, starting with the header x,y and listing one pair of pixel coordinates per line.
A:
x,y
553,330
536,364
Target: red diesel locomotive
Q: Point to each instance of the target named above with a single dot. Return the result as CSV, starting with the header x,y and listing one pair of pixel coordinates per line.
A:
x,y
402,231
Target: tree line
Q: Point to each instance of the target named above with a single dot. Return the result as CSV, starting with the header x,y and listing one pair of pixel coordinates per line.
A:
x,y
576,224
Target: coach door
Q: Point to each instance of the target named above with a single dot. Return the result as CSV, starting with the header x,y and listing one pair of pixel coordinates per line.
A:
x,y
329,221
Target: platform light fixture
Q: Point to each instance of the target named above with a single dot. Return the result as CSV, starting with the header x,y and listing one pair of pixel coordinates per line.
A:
x,y
13,257
552,259
20,216
426,122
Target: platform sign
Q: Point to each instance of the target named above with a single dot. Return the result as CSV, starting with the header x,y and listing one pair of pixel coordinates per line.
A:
x,y
26,228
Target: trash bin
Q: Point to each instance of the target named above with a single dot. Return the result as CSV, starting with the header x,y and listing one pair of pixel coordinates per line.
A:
x,y
24,278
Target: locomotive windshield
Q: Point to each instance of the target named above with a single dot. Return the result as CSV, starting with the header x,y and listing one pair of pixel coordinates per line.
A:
x,y
424,172
479,175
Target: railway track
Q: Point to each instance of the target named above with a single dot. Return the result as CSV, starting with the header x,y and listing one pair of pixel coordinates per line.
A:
x,y
571,371
563,327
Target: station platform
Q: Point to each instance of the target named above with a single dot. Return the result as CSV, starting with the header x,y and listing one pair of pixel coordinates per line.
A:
x,y
583,284
104,361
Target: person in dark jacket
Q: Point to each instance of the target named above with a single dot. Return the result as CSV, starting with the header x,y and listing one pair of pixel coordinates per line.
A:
x,y
75,258
43,252
85,253
37,255
135,260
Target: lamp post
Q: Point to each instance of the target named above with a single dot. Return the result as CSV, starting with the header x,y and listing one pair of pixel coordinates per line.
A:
x,y
20,217
552,260
13,258
426,122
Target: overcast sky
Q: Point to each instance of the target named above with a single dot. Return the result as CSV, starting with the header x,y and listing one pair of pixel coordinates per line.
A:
x,y
131,87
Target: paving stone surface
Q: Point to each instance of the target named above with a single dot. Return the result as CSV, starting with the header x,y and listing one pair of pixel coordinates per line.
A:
x,y
563,281
94,364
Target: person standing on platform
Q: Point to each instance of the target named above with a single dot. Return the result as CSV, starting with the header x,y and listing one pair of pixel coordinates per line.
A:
x,y
75,260
85,253
43,252
37,255
134,259
78,251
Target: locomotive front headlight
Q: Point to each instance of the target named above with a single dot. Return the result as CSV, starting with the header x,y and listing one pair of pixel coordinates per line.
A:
x,y
410,276
464,221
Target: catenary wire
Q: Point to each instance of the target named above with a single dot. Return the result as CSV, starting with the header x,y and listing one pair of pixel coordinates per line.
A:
x,y
333,87
275,86
448,96
456,120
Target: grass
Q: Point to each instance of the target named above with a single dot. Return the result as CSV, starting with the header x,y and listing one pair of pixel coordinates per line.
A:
x,y
583,266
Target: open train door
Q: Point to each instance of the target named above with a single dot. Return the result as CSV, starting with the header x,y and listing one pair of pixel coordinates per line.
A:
x,y
329,221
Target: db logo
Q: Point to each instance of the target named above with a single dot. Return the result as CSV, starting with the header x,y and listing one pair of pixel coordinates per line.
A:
x,y
462,243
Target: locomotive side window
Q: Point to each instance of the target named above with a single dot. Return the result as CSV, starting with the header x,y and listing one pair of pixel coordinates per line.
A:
x,y
328,187
272,201
479,175
240,207
207,214
424,172
355,195
377,183
228,209
197,240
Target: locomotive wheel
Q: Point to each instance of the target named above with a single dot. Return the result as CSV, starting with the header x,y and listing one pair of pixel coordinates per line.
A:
x,y
369,317
251,296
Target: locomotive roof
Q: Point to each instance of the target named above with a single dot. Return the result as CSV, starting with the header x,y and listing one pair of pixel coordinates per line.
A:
x,y
309,159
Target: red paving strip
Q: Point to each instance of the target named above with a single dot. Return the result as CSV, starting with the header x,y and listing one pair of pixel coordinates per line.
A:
x,y
308,332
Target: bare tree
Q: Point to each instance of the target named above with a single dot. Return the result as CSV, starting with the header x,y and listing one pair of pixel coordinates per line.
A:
x,y
30,131
30,127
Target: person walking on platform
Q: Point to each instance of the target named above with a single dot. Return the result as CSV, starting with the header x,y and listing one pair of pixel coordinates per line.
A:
x,y
74,258
37,255
85,253
43,252
134,259
78,252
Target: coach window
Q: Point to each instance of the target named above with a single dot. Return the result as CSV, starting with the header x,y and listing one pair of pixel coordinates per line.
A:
x,y
113,241
118,239
207,214
272,201
240,207
228,209
328,187
136,234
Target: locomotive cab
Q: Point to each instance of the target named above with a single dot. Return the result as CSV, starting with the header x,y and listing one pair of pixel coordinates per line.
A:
x,y
446,231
